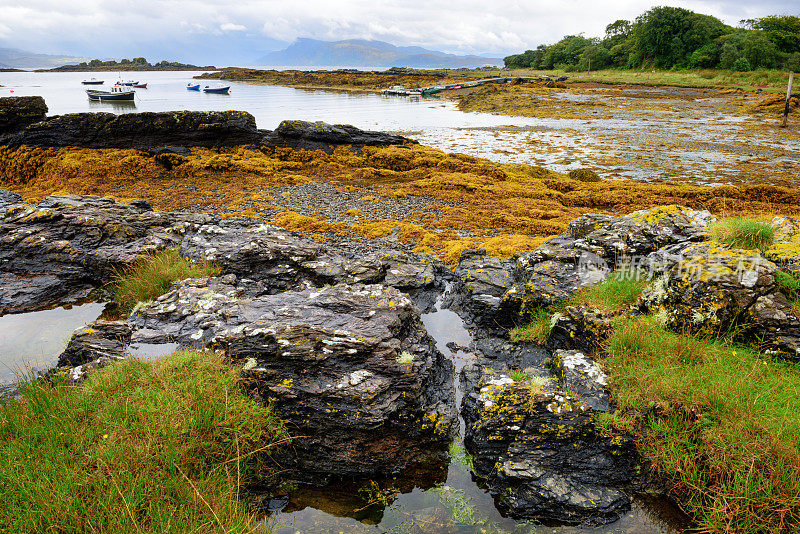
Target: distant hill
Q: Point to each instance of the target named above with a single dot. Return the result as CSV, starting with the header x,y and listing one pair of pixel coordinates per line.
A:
x,y
360,53
21,59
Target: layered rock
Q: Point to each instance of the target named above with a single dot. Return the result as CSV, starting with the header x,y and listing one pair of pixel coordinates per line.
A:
x,y
59,250
313,135
350,367
536,443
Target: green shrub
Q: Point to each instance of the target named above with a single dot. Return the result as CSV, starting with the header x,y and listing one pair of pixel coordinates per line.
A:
x,y
159,446
151,277
742,64
738,232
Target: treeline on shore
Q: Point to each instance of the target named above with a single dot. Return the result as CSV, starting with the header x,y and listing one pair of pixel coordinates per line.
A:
x,y
674,38
137,63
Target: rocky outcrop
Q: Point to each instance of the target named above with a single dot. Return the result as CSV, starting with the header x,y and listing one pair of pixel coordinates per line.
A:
x,y
321,135
350,368
536,443
59,250
499,295
105,340
23,122
17,112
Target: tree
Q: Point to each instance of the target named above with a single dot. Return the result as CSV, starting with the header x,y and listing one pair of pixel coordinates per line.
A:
x,y
760,51
616,32
783,31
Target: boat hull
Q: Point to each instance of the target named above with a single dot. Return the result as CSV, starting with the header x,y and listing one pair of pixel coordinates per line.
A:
x,y
92,82
193,87
110,96
217,90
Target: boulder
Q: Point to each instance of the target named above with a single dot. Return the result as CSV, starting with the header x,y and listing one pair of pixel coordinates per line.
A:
x,y
101,339
320,135
536,444
581,329
350,368
17,112
715,290
785,251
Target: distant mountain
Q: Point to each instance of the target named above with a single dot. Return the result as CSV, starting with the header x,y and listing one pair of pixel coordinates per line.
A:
x,y
20,59
360,53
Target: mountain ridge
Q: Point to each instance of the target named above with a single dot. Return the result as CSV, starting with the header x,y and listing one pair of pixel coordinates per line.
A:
x,y
367,53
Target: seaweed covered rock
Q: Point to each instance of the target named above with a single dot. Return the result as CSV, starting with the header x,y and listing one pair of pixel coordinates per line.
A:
x,y
585,254
536,444
716,290
59,250
349,367
281,260
140,130
17,112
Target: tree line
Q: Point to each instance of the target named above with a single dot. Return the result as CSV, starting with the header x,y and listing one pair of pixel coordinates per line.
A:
x,y
674,38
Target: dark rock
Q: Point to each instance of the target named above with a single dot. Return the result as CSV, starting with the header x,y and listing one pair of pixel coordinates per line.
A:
x,y
536,444
481,282
581,329
281,260
593,247
144,130
8,199
101,339
17,112
350,368
58,251
314,135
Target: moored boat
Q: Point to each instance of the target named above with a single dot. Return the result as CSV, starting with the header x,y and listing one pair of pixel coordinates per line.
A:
x,y
217,90
141,85
193,87
128,83
116,94
93,81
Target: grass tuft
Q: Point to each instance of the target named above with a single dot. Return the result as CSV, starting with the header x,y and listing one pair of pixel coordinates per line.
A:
x,y
517,375
616,293
718,419
151,277
791,284
158,446
537,331
739,232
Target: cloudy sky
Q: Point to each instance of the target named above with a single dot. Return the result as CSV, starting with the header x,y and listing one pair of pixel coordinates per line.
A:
x,y
239,31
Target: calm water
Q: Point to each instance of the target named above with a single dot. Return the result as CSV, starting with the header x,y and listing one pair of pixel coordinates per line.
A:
x,y
33,341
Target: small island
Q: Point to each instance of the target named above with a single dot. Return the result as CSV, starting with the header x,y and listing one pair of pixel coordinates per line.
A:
x,y
137,63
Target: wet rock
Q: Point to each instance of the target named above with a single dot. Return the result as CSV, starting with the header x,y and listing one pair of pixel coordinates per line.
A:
x,y
144,130
101,339
536,444
594,246
715,290
282,260
350,367
17,112
320,135
58,250
481,282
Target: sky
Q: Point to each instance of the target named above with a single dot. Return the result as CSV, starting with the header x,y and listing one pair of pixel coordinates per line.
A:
x,y
239,31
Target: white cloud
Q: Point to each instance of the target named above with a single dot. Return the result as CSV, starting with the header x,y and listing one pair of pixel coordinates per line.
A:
x,y
93,27
231,27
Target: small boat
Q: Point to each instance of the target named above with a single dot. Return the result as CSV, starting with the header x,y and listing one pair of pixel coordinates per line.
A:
x,y
129,83
141,85
193,87
93,81
431,90
115,94
217,90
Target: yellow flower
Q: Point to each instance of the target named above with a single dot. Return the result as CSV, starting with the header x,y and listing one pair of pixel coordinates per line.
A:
x,y
105,436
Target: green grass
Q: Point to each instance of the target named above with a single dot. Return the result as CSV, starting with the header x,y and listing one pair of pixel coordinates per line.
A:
x,y
616,293
790,283
142,447
718,419
152,276
537,331
739,232
517,375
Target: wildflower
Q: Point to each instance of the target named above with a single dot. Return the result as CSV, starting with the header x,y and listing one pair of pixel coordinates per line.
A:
x,y
105,436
